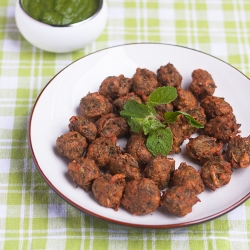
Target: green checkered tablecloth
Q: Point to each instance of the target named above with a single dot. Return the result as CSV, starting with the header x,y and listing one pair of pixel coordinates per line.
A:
x,y
32,215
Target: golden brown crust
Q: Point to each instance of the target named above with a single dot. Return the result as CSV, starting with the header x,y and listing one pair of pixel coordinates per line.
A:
x,y
84,171
168,75
108,190
179,200
144,82
203,148
102,149
238,151
71,145
187,176
125,164
112,125
185,99
202,84
83,126
216,172
115,86
94,105
141,196
160,169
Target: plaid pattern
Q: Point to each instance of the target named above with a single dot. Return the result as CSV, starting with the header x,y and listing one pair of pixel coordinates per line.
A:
x,y
32,216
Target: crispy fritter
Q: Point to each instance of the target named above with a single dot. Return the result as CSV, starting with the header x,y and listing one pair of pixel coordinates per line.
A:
x,y
137,148
178,138
94,105
160,169
102,149
216,172
197,113
215,106
112,125
125,164
222,127
108,190
187,176
84,171
118,103
83,126
238,151
115,86
168,75
203,148
179,200
202,84
185,99
71,145
144,82
141,196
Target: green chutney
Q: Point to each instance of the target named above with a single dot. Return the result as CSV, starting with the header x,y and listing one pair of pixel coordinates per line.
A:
x,y
60,12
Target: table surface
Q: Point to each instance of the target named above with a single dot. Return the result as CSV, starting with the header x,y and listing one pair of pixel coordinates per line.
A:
x,y
32,215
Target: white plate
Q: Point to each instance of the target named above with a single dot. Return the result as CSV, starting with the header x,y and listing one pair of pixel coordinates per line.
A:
x,y
60,98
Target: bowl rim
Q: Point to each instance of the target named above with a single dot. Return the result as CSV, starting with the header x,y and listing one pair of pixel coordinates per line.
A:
x,y
66,25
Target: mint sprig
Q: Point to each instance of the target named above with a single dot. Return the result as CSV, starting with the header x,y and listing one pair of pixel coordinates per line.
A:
x,y
162,95
160,141
142,118
171,117
135,109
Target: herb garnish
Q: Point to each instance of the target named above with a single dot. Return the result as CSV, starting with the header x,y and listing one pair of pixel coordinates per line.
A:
x,y
143,118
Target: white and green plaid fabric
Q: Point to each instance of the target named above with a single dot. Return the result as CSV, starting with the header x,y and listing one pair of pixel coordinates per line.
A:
x,y
32,216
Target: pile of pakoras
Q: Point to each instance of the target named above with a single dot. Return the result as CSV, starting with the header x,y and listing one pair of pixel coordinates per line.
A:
x,y
133,177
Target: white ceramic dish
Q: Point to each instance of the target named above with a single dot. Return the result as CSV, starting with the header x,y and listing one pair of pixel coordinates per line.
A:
x,y
61,39
60,99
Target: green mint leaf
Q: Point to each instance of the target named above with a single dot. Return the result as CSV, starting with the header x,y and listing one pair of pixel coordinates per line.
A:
x,y
192,121
171,117
150,125
136,124
162,95
135,109
160,141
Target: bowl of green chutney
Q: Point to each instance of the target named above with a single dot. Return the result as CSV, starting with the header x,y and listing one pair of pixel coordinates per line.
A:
x,y
61,25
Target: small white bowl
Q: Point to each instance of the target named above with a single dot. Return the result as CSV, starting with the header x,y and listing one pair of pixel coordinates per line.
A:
x,y
61,39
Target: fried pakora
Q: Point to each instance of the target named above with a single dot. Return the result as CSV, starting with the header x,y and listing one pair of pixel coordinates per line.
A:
x,y
202,84
215,106
222,127
187,176
94,105
83,126
197,113
141,196
108,190
115,86
160,169
137,148
125,164
119,103
203,148
238,151
179,200
162,109
71,145
216,172
84,171
112,125
185,99
168,75
144,82
102,149
178,138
